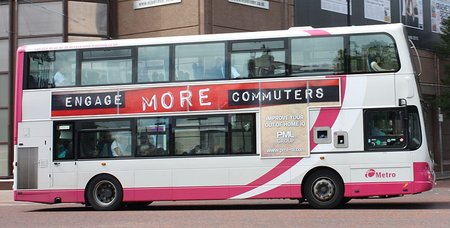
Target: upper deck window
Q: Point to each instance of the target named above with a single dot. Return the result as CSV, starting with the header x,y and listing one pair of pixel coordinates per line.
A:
x,y
258,59
323,55
101,67
51,69
153,64
199,61
373,53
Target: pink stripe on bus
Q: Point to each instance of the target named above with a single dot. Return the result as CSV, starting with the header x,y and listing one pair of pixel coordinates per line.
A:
x,y
317,32
328,116
48,196
284,165
18,91
292,191
423,181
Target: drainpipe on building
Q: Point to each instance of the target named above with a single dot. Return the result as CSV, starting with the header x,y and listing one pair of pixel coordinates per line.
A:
x,y
12,73
441,154
440,116
349,17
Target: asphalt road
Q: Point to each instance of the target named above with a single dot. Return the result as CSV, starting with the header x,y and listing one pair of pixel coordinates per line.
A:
x,y
429,209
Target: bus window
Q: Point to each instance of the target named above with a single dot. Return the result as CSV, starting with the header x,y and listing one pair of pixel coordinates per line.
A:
x,y
63,142
385,128
103,139
200,135
243,134
199,61
414,130
324,55
152,137
51,69
373,53
258,59
153,64
88,145
106,67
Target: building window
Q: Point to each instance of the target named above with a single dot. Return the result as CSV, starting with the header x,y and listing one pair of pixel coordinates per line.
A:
x,y
40,18
4,118
4,91
4,55
4,17
87,18
4,160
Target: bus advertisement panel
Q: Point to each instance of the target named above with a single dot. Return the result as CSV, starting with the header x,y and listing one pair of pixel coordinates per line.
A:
x,y
283,106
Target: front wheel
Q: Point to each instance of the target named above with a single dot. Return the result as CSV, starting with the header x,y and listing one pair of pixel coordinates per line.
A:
x,y
104,193
324,189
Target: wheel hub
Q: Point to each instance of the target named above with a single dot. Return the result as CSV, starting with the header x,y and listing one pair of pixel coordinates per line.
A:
x,y
323,189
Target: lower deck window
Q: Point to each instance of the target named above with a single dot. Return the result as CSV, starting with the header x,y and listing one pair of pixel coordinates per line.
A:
x,y
200,135
160,136
394,128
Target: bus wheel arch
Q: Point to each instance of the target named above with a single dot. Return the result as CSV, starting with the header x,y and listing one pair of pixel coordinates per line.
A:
x,y
323,187
104,192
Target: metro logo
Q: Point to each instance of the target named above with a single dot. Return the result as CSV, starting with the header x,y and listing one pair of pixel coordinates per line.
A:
x,y
371,173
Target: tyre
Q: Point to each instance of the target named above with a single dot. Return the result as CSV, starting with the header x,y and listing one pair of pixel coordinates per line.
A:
x,y
104,193
324,189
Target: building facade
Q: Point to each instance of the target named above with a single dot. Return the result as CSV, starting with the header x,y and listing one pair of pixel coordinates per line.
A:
x,y
44,21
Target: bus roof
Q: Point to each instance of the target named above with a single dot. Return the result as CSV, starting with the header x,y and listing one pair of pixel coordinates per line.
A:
x,y
292,32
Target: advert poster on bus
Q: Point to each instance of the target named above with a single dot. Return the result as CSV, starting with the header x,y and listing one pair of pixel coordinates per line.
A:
x,y
282,105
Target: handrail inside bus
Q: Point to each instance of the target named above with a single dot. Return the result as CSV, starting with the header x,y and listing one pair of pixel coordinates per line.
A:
x,y
418,58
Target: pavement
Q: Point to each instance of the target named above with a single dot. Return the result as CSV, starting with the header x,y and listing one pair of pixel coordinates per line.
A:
x,y
6,196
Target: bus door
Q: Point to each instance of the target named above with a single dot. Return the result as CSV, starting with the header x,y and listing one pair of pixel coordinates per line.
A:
x,y
64,166
33,157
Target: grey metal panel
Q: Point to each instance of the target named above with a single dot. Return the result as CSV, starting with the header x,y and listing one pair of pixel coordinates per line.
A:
x,y
27,168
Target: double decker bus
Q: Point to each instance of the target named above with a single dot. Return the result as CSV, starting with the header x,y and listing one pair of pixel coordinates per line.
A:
x,y
321,115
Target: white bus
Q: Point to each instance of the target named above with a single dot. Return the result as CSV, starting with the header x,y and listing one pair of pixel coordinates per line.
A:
x,y
321,115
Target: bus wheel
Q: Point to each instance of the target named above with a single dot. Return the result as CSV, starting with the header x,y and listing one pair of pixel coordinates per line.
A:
x,y
324,189
104,193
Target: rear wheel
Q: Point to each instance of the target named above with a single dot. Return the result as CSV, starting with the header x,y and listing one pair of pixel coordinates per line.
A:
x,y
104,193
324,189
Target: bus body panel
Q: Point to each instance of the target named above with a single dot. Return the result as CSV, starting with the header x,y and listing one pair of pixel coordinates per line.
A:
x,y
36,105
33,135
